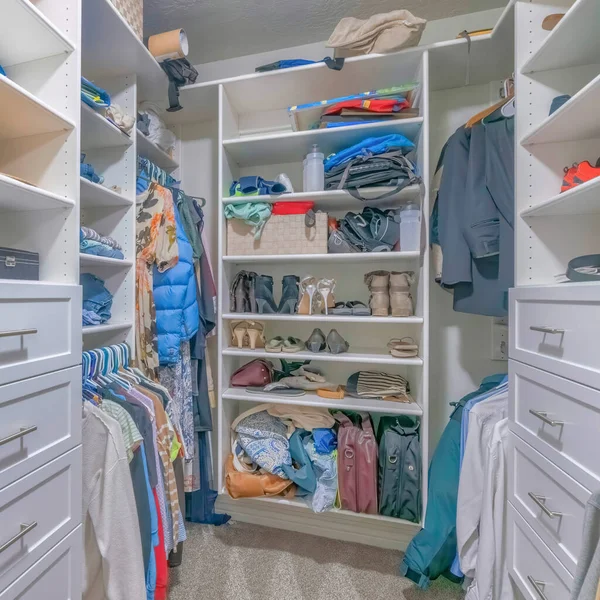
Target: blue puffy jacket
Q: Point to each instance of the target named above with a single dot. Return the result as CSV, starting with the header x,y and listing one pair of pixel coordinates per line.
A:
x,y
177,314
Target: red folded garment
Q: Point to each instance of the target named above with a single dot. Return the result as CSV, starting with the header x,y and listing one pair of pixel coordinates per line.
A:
x,y
385,105
292,208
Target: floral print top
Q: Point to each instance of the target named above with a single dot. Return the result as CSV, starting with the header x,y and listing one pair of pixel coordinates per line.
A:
x,y
156,243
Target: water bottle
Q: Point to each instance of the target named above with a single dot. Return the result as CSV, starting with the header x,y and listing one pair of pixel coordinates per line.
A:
x,y
314,171
410,227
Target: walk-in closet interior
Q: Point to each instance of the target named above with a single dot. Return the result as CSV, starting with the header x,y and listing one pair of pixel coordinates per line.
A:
x,y
351,298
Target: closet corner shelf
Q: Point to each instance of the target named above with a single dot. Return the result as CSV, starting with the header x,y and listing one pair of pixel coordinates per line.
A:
x,y
311,399
95,195
18,196
42,40
324,318
152,152
356,355
278,148
99,132
350,257
583,199
110,48
573,42
23,114
105,328
89,260
336,199
577,119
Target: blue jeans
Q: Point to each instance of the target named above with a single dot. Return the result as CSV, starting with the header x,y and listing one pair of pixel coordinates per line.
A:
x,y
96,298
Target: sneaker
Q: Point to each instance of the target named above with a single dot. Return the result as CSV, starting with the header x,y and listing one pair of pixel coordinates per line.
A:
x,y
569,178
585,172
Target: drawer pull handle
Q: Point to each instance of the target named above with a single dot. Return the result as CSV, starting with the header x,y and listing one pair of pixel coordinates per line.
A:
x,y
545,329
15,436
542,416
17,332
25,529
541,502
537,586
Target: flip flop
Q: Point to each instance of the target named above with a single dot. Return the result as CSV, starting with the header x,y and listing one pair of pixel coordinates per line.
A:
x,y
359,308
293,344
275,344
341,308
403,348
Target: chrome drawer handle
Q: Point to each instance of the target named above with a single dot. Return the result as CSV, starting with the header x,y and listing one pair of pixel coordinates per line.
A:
x,y
545,329
541,502
542,416
21,433
17,332
537,586
25,529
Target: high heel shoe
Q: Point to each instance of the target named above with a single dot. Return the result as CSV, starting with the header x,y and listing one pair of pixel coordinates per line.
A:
x,y
308,289
256,334
316,342
326,288
336,344
289,295
263,290
239,333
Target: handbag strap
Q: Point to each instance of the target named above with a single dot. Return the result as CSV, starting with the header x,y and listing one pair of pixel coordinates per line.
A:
x,y
343,420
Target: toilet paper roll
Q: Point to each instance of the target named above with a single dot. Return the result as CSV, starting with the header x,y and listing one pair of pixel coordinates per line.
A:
x,y
170,44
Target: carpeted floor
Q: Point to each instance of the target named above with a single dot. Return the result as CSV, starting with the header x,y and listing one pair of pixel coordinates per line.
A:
x,y
246,562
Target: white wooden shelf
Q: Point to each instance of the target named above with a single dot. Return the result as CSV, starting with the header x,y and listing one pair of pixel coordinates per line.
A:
x,y
351,257
26,34
18,196
152,152
278,148
577,119
355,355
583,199
324,318
110,48
573,42
96,195
311,399
99,132
23,114
89,260
105,328
336,199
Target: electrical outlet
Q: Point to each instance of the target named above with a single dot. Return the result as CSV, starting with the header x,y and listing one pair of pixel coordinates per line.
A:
x,y
500,338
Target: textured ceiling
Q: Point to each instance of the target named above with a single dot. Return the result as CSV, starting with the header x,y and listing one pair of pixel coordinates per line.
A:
x,y
220,29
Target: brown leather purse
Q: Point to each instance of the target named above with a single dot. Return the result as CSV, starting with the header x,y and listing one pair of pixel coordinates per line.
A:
x,y
255,485
256,373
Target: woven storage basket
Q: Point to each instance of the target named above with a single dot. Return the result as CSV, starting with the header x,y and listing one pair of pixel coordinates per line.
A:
x,y
133,12
282,234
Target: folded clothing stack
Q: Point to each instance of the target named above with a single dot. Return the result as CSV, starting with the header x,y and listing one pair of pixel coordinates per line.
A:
x,y
91,242
254,185
93,95
97,300
87,171
151,124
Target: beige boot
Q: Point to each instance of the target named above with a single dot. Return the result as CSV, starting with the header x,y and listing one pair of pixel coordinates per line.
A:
x,y
378,283
400,297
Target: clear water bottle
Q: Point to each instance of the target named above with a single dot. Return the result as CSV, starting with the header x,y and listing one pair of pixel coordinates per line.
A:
x,y
314,171
410,227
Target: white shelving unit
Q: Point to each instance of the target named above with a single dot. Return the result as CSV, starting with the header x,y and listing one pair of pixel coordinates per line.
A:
x,y
151,151
99,132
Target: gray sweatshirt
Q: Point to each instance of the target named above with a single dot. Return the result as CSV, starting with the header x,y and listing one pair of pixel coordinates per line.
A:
x,y
585,584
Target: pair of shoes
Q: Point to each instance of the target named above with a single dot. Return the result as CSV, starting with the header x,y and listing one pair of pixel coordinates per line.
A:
x,y
579,173
353,307
316,294
289,344
247,334
334,342
403,348
251,293
390,290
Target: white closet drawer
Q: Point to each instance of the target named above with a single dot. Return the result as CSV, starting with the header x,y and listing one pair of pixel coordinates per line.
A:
x,y
570,438
556,328
49,403
40,329
49,501
549,500
57,575
532,566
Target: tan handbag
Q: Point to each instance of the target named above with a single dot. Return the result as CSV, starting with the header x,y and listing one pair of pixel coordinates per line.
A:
x,y
255,485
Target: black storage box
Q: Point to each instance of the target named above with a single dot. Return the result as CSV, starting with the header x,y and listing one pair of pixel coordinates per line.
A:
x,y
19,264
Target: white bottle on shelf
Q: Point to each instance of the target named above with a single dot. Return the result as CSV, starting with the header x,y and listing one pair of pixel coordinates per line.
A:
x,y
314,171
410,227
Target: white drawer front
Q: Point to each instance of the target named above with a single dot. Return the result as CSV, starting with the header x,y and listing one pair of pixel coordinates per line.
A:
x,y
567,343
570,440
532,566
40,329
49,497
56,576
49,403
550,501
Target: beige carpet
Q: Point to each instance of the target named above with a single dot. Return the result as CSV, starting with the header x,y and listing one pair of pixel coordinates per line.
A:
x,y
246,562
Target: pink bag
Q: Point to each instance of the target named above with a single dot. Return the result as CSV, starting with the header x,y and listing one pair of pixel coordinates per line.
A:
x,y
357,464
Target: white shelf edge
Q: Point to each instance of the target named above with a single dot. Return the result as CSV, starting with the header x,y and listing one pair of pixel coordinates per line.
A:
x,y
349,257
324,318
104,122
544,209
100,189
90,259
22,188
106,327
